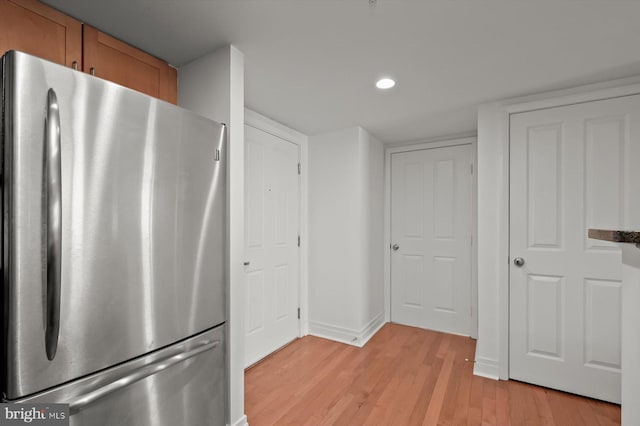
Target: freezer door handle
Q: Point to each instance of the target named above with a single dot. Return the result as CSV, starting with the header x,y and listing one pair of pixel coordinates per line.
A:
x,y
155,367
53,221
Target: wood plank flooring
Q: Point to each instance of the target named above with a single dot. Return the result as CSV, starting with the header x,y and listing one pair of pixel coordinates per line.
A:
x,y
403,376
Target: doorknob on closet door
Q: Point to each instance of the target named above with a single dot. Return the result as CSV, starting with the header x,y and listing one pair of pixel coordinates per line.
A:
x,y
395,247
518,261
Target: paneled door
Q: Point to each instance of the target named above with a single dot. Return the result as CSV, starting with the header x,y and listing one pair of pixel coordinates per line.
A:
x,y
431,238
572,168
271,243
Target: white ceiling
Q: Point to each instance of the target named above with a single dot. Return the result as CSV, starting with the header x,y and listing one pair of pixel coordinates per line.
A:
x,y
312,64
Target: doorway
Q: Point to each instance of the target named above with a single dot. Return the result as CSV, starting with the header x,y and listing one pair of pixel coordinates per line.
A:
x,y
431,238
569,171
272,218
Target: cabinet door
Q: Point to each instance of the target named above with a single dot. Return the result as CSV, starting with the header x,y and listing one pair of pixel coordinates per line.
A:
x,y
113,60
32,27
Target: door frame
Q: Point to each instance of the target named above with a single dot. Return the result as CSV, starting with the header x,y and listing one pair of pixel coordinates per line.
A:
x,y
267,125
463,139
493,244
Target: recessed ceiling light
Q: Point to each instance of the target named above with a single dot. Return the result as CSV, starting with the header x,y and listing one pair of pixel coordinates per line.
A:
x,y
385,83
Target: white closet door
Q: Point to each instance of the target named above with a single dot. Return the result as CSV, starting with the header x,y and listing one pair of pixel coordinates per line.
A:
x,y
271,243
431,238
572,168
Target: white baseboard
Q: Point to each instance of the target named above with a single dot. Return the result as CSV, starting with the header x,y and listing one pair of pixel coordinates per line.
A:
x,y
372,328
349,336
488,368
332,332
242,421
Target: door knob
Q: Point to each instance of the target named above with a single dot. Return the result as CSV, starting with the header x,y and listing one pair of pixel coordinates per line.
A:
x,y
395,247
518,261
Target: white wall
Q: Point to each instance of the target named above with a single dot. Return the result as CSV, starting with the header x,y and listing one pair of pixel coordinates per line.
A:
x,y
334,245
373,243
491,223
213,86
345,235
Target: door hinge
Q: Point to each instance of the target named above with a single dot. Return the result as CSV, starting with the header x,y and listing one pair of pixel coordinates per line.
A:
x,y
472,241
299,169
217,156
298,313
471,168
298,240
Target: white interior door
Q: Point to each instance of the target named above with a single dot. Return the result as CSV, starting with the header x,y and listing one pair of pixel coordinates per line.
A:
x,y
431,238
572,168
271,243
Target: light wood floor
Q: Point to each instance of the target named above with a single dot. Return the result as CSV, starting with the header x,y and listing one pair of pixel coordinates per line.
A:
x,y
403,376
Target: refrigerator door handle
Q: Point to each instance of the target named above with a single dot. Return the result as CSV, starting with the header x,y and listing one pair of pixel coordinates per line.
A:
x,y
53,221
155,367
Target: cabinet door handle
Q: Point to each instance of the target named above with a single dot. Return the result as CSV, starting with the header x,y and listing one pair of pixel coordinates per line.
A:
x,y
92,71
74,65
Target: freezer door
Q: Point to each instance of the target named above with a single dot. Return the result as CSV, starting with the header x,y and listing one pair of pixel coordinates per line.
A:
x,y
183,384
113,224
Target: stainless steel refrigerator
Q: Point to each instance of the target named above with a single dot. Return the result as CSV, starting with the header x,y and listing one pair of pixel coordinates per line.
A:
x,y
113,251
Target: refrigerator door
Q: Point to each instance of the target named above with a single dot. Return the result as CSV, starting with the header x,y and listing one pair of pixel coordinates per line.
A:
x,y
179,385
113,224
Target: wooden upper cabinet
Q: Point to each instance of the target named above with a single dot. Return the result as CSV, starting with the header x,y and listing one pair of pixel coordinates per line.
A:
x,y
113,60
35,28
